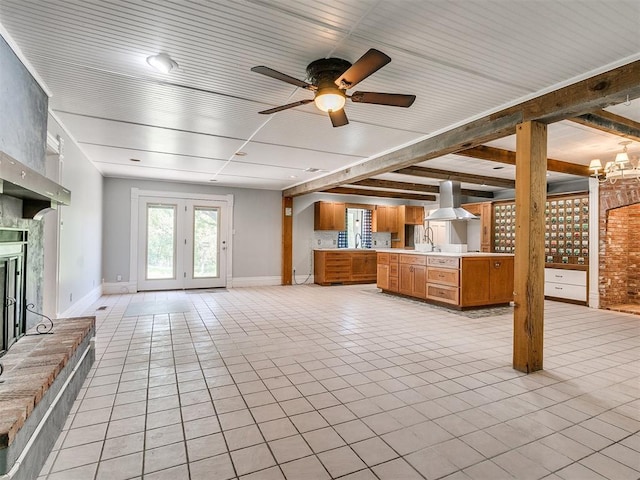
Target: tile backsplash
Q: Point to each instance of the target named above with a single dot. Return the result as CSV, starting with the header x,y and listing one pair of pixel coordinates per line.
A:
x,y
325,239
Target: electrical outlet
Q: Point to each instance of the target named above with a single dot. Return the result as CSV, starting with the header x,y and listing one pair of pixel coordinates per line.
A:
x,y
375,243
319,242
118,278
334,242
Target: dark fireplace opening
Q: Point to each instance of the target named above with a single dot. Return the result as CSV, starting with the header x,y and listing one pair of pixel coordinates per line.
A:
x,y
13,255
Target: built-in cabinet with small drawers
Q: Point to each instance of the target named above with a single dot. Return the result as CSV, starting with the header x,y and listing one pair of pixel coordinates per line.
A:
x,y
460,281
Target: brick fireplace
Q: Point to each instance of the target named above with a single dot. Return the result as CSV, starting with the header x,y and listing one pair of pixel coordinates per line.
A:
x,y
619,248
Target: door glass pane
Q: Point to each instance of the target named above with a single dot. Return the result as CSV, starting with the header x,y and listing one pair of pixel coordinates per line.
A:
x,y
205,242
161,228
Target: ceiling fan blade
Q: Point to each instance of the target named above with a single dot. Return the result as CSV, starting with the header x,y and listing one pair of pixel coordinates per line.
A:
x,y
285,107
338,118
370,62
270,72
392,99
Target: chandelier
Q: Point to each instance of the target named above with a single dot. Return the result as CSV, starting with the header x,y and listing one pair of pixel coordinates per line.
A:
x,y
621,167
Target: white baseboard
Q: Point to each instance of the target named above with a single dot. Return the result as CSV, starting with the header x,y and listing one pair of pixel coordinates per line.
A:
x,y
255,281
119,288
78,308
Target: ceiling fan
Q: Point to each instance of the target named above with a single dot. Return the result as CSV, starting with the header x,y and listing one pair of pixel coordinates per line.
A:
x,y
331,78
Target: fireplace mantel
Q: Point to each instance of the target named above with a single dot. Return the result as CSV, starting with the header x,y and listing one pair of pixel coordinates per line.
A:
x,y
37,192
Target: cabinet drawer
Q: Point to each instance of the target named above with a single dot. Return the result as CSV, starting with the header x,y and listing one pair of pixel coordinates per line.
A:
x,y
383,258
562,290
443,276
393,270
338,262
394,284
442,293
413,259
569,277
445,262
393,257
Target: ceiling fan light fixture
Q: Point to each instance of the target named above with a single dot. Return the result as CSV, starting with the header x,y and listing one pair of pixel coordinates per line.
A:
x,y
162,62
330,99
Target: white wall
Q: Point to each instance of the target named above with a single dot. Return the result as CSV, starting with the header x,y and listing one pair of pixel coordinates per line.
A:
x,y
257,221
80,262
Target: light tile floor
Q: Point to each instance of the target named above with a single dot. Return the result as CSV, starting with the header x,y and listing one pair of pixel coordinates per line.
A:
x,y
311,382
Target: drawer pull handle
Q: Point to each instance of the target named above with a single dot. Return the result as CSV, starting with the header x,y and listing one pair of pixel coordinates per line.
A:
x,y
559,276
558,288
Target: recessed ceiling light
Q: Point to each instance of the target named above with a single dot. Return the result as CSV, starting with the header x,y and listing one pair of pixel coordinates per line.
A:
x,y
293,176
312,170
162,62
135,159
240,154
498,168
213,180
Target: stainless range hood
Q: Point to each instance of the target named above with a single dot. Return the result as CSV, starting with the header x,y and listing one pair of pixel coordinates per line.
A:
x,y
450,208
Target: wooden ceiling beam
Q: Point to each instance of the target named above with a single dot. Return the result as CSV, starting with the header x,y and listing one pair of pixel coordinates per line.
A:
x,y
597,92
499,155
417,187
381,193
457,176
610,123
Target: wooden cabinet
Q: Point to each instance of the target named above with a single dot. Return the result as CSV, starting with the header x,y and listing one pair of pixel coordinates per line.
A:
x,y
484,211
363,266
382,276
413,215
394,272
335,266
385,219
388,271
486,227
413,275
443,279
486,281
460,281
329,216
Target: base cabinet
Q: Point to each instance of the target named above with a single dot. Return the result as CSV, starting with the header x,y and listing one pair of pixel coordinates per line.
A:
x,y
333,266
565,284
486,281
388,272
413,280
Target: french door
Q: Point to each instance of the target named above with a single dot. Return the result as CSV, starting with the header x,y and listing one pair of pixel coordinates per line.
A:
x,y
182,243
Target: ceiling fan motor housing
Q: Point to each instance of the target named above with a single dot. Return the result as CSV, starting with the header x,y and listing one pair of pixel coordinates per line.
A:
x,y
323,73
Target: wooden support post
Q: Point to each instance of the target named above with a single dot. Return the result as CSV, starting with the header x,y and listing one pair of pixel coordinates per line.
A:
x,y
287,240
531,181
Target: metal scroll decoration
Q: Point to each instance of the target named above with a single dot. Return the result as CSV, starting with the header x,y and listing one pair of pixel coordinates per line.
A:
x,y
45,326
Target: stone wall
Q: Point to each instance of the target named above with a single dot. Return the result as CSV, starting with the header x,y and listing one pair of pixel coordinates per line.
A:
x,y
619,249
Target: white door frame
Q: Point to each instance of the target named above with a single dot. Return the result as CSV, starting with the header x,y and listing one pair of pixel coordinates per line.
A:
x,y
136,193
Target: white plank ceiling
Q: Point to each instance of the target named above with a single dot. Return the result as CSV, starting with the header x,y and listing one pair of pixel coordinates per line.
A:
x,y
460,58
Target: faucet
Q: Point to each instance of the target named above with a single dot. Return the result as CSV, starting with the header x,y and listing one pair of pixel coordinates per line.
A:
x,y
358,237
428,237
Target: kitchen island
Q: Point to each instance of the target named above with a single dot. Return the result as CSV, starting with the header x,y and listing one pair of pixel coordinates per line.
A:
x,y
457,280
